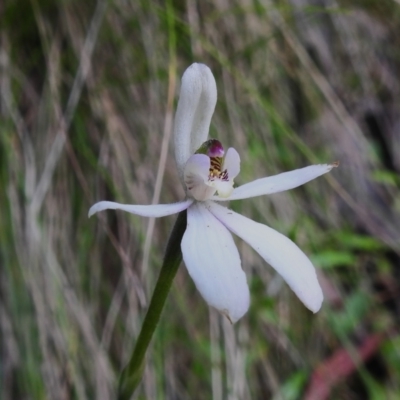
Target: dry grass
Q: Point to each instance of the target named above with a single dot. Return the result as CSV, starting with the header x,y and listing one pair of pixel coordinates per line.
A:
x,y
87,95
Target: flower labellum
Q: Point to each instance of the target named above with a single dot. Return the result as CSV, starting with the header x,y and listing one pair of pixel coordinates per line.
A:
x,y
208,174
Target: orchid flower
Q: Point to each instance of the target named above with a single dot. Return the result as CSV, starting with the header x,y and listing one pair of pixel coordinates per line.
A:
x,y
207,173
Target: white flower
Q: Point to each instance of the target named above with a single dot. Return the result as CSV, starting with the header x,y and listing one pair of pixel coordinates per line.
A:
x,y
207,173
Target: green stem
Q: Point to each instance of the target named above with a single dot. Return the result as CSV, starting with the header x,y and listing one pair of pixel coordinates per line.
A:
x,y
131,375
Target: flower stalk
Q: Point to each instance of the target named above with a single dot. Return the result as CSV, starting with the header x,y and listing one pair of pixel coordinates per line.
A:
x,y
131,375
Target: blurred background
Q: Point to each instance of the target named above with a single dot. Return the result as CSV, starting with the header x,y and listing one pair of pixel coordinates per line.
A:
x,y
87,97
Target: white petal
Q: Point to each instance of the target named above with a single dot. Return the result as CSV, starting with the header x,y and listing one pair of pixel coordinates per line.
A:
x,y
157,210
213,262
232,163
197,169
195,177
196,105
224,188
279,251
279,183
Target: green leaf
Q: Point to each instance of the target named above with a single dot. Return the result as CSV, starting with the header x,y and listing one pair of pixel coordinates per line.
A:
x,y
346,321
333,259
386,177
292,388
359,242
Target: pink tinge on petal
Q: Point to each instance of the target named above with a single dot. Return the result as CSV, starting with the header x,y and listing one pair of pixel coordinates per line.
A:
x,y
215,148
196,169
232,163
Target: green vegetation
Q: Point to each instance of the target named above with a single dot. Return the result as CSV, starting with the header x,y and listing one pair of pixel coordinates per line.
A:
x,y
86,92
